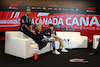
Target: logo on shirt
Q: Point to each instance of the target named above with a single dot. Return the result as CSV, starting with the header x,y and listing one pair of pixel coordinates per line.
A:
x,y
26,20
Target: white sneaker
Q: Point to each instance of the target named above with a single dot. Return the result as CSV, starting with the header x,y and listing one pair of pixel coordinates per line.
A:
x,y
51,39
64,50
56,52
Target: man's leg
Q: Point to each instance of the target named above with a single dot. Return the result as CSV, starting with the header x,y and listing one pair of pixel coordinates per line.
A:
x,y
48,39
98,48
61,41
53,45
54,49
34,37
62,44
95,51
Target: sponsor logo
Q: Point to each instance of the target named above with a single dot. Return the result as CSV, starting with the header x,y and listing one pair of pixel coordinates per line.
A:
x,y
7,22
51,8
38,8
44,8
13,6
90,9
55,8
32,7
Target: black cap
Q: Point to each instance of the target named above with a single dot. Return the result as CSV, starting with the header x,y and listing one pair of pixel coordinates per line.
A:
x,y
51,25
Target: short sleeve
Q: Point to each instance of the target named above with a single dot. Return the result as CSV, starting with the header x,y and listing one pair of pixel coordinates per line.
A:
x,y
23,21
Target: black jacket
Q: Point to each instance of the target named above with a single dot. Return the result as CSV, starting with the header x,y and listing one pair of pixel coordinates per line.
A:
x,y
49,31
41,34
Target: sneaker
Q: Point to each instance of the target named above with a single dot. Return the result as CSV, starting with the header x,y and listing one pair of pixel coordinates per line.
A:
x,y
56,52
64,50
51,39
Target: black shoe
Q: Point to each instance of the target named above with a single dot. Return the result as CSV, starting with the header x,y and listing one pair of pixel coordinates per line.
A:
x,y
42,44
93,53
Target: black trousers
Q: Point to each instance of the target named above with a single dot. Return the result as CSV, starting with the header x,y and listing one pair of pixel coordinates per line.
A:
x,y
30,34
41,44
98,48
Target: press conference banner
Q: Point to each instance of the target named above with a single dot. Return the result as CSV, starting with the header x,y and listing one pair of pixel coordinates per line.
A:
x,y
73,16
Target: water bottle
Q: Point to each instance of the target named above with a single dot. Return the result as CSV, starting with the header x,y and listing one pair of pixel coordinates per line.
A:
x,y
69,44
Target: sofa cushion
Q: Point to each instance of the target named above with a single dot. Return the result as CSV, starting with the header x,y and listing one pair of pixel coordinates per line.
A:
x,y
34,46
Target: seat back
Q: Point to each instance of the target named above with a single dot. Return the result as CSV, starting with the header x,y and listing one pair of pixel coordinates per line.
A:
x,y
15,34
71,35
68,35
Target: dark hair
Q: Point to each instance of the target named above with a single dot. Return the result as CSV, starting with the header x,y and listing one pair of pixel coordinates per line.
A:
x,y
51,25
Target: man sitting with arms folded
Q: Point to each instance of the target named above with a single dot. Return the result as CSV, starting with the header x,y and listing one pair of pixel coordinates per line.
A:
x,y
50,38
53,33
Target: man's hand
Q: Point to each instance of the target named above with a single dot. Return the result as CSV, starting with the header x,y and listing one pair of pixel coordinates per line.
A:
x,y
33,31
48,33
30,27
53,35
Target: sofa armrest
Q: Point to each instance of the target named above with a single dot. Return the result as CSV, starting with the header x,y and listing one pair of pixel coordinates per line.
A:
x,y
95,41
17,47
96,36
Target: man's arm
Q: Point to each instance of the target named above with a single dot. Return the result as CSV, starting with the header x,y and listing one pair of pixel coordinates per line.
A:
x,y
24,25
46,33
27,27
55,35
30,27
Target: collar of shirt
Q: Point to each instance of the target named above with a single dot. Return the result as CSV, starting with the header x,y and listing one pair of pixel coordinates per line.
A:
x,y
26,16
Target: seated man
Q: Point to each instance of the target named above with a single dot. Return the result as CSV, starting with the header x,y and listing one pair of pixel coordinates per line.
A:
x,y
40,35
96,50
53,33
26,28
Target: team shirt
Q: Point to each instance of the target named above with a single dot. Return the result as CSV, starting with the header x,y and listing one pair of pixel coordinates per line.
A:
x,y
25,20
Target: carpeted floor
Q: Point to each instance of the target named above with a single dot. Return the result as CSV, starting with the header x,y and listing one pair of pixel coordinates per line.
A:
x,y
50,60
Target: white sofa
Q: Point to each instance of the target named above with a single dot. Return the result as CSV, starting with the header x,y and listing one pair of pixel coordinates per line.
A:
x,y
95,41
75,39
20,45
